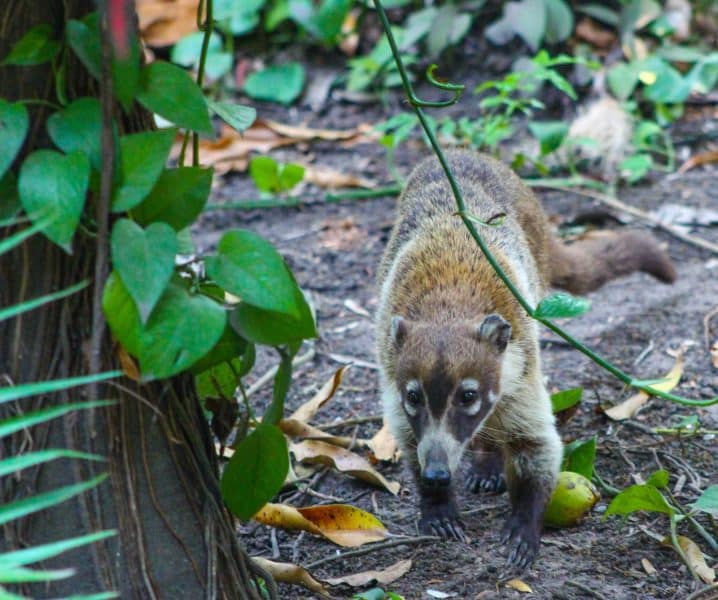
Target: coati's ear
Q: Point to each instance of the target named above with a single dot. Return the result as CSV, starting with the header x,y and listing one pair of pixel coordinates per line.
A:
x,y
495,330
398,330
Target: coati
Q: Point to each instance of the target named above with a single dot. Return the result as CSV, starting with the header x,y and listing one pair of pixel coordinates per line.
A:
x,y
459,357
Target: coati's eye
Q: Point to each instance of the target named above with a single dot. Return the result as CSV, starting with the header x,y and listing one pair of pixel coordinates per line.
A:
x,y
469,397
413,397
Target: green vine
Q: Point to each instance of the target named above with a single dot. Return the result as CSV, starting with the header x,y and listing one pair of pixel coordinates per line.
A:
x,y
418,106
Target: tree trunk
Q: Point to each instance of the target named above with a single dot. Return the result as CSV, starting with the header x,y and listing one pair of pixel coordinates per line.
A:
x,y
175,537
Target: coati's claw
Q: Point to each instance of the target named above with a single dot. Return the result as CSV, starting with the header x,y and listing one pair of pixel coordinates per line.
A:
x,y
523,543
486,475
442,521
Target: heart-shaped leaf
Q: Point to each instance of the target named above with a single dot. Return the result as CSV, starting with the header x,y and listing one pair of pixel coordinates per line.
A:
x,y
37,46
579,456
142,157
181,330
278,83
249,267
145,260
272,328
238,116
565,399
256,471
562,305
52,188
708,501
84,38
79,127
177,198
13,128
639,497
170,92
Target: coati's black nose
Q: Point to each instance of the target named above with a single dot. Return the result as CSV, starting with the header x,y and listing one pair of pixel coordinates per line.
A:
x,y
436,476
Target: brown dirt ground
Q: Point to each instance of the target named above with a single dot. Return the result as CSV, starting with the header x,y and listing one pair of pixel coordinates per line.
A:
x,y
334,250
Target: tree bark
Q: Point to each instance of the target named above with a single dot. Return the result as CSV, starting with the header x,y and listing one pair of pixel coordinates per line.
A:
x,y
175,537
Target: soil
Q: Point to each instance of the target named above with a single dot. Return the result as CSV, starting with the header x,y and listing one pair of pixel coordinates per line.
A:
x,y
334,250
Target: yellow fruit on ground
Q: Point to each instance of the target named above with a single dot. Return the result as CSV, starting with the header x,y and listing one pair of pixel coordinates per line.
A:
x,y
573,497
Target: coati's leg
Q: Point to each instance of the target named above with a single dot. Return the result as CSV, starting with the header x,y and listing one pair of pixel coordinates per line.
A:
x,y
531,466
486,473
439,511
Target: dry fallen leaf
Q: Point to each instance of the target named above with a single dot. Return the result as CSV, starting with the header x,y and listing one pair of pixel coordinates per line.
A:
x,y
695,558
703,158
325,177
128,364
343,524
363,133
714,354
163,22
307,410
383,577
342,234
291,573
519,586
313,451
299,429
648,566
383,445
629,407
589,30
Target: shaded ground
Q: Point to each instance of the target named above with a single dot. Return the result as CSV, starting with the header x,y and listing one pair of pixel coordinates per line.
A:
x,y
334,250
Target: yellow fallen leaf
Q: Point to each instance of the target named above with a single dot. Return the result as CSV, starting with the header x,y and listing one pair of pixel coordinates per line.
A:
x,y
519,586
695,558
291,573
314,451
384,577
630,407
343,524
383,445
298,429
307,410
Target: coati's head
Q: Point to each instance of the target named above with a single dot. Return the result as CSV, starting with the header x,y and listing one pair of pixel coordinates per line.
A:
x,y
448,378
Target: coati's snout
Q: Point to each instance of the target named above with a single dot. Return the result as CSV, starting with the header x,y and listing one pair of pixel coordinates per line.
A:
x,y
448,379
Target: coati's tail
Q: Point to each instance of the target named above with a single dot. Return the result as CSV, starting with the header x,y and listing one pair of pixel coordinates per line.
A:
x,y
590,262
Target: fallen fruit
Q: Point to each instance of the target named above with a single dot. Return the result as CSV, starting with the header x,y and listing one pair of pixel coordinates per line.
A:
x,y
573,497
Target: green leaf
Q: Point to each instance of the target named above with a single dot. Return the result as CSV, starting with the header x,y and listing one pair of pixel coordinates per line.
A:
x,y
528,19
637,498
186,52
37,46
180,331
220,380
703,77
34,554
278,83
566,399
228,347
622,79
264,171
249,267
600,13
23,390
272,328
126,71
17,309
561,305
84,38
658,479
669,87
177,198
142,160
53,186
30,459
170,92
28,419
144,260
327,21
12,511
237,116
256,471
708,501
282,381
14,122
559,21
550,134
78,126
13,574
290,176
636,167
579,457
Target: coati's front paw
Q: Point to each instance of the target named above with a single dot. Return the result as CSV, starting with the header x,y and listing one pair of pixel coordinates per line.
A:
x,y
487,474
442,520
523,542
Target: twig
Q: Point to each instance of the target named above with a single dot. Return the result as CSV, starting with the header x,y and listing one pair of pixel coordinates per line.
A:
x,y
636,212
267,377
588,590
698,594
644,353
371,548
